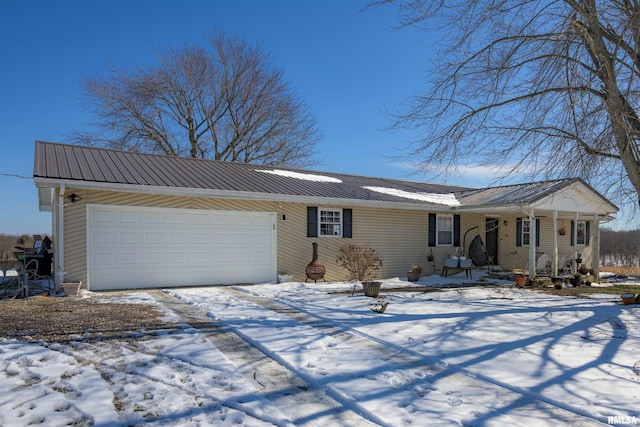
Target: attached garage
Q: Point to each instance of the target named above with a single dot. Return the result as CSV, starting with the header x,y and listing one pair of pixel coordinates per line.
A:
x,y
145,247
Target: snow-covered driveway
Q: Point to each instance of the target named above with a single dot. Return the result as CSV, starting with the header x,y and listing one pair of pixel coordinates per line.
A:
x,y
485,356
309,356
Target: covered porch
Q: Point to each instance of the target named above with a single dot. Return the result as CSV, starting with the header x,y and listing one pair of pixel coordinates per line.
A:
x,y
543,230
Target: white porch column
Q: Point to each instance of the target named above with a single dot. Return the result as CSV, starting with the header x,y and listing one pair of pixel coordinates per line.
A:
x,y
532,245
595,250
554,271
575,243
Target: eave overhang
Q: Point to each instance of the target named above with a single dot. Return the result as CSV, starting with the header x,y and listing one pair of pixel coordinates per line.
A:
x,y
47,183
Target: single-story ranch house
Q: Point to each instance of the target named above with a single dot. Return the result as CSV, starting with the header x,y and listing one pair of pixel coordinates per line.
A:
x,y
131,220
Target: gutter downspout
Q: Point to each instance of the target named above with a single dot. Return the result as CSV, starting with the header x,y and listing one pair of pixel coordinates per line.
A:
x,y
60,239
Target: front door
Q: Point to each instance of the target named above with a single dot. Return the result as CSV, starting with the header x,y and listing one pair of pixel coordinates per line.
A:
x,y
491,237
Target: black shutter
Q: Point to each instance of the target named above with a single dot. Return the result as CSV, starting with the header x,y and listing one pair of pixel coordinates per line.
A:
x,y
518,231
537,231
456,230
347,223
587,233
312,221
432,229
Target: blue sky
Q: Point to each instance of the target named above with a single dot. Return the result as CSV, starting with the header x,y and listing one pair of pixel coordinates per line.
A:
x,y
345,63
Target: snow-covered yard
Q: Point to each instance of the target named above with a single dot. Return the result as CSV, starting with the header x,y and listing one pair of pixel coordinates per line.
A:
x,y
466,356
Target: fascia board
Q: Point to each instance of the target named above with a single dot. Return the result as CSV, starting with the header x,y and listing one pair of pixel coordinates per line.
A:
x,y
241,195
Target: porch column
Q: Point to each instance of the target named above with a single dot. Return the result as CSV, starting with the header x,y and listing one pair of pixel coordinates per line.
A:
x,y
532,245
554,268
575,243
595,250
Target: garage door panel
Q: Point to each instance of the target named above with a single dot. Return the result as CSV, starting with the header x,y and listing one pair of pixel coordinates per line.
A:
x,y
130,258
131,247
130,237
129,217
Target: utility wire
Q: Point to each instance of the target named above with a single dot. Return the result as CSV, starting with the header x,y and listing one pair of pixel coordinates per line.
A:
x,y
16,176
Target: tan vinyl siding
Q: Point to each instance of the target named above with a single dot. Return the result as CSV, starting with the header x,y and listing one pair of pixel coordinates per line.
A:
x,y
399,236
517,257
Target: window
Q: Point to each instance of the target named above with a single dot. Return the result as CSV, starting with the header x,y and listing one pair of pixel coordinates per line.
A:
x,y
526,232
444,230
330,222
581,239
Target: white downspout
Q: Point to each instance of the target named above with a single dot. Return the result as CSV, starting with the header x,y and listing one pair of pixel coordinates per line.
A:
x,y
60,239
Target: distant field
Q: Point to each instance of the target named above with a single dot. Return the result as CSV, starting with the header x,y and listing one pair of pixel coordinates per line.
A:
x,y
626,271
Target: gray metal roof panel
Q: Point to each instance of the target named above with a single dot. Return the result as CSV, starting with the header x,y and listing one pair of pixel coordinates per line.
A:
x,y
512,194
71,162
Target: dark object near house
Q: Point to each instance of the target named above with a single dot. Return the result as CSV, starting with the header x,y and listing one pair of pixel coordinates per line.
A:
x,y
477,252
315,269
576,280
39,257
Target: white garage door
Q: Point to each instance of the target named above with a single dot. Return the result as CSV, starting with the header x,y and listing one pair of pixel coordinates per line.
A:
x,y
143,247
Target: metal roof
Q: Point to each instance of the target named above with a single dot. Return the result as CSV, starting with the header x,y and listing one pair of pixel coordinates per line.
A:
x,y
62,162
513,194
73,164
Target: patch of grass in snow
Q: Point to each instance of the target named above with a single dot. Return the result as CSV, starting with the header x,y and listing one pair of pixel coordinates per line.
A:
x,y
586,290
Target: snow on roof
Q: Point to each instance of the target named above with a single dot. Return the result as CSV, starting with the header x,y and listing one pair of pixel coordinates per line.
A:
x,y
305,176
448,199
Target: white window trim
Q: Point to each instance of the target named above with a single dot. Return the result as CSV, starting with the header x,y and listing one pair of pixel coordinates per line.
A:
x,y
526,224
584,233
340,224
438,216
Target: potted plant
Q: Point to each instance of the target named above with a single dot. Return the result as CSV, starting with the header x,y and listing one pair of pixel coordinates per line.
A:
x,y
562,231
430,257
628,298
413,275
371,289
521,280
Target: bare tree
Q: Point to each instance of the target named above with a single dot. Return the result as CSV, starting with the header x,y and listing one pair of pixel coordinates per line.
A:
x,y
228,102
537,87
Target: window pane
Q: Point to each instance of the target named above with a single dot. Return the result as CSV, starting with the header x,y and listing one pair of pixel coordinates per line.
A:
x,y
581,232
445,238
445,230
330,229
330,222
526,232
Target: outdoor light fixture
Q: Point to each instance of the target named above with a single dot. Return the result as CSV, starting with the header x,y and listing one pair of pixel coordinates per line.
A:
x,y
74,198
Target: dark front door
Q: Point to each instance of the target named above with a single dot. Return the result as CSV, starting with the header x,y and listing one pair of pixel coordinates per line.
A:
x,y
491,237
